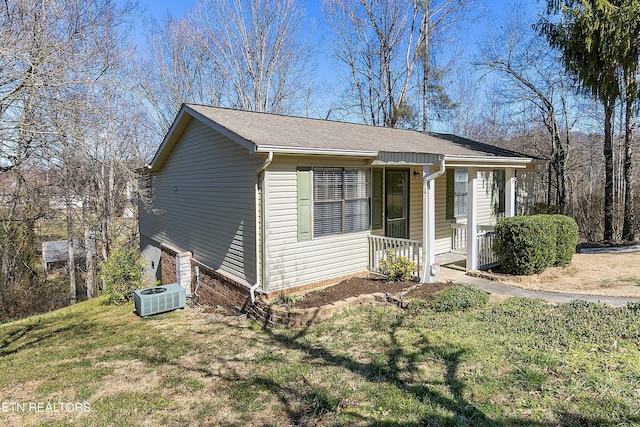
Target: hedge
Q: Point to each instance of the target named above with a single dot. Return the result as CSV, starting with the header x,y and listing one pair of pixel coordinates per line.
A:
x,y
566,238
527,245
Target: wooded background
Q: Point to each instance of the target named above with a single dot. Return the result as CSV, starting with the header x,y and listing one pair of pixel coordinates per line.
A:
x,y
85,101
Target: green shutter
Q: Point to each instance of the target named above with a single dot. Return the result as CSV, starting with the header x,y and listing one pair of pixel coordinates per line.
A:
x,y
451,183
305,203
377,199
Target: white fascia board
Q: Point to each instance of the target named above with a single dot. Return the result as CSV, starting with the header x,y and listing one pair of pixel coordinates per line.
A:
x,y
314,151
487,162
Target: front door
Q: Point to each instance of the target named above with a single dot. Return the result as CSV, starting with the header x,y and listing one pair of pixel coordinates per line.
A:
x,y
397,192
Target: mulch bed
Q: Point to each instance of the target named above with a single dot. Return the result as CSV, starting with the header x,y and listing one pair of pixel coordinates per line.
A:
x,y
365,285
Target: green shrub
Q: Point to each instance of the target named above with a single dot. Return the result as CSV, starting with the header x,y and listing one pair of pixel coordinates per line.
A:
x,y
122,273
458,297
566,238
397,268
286,300
525,245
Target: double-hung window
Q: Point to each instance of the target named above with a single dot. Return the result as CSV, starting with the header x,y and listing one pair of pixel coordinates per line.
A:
x,y
457,193
340,200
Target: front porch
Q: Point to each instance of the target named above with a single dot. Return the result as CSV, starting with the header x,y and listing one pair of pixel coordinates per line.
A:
x,y
452,206
413,249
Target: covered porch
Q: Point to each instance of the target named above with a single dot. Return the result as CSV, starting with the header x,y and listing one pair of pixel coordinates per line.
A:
x,y
457,202
413,249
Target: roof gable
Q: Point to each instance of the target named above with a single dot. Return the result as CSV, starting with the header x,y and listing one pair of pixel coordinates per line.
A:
x,y
265,132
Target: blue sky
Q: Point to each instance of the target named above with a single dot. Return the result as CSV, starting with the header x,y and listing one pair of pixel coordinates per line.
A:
x,y
495,11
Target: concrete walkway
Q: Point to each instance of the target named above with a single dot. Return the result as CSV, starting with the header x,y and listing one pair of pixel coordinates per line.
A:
x,y
498,288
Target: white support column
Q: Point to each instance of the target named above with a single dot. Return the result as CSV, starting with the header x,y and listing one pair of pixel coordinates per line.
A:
x,y
183,271
428,224
510,193
472,219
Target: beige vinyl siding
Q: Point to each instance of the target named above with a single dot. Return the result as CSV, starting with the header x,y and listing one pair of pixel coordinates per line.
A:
x,y
443,225
484,208
415,204
525,190
291,262
205,198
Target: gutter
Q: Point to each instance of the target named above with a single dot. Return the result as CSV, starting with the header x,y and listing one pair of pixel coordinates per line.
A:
x,y
314,151
466,161
260,211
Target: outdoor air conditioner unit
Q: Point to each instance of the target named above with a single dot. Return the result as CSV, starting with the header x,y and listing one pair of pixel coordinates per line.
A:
x,y
159,299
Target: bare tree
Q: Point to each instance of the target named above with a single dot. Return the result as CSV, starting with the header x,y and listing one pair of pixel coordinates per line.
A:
x,y
260,48
378,42
178,67
56,57
533,76
389,50
439,18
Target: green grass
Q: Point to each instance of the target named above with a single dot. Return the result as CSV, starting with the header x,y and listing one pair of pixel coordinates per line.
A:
x,y
515,362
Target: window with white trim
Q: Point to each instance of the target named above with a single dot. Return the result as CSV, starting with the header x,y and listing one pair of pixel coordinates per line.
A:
x,y
456,193
341,202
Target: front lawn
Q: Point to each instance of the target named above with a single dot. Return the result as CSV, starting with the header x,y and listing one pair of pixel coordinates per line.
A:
x,y
512,362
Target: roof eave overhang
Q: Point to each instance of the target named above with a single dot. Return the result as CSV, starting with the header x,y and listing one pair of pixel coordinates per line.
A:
x,y
314,151
487,161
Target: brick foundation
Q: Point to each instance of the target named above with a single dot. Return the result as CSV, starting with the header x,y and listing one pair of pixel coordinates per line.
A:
x,y
215,288
219,290
167,264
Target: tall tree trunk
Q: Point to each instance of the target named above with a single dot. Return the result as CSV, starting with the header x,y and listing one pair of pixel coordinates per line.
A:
x,y
90,247
608,172
628,227
425,68
71,261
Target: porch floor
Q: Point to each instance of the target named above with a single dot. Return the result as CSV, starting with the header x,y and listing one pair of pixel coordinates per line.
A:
x,y
453,260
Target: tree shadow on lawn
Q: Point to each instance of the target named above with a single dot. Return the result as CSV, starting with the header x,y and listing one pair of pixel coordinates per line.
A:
x,y
27,335
399,361
389,370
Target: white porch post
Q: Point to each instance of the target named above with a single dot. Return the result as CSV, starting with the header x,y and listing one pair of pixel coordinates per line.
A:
x,y
472,219
510,192
428,224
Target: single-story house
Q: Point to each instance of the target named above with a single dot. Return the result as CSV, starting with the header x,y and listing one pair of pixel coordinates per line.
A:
x,y
269,203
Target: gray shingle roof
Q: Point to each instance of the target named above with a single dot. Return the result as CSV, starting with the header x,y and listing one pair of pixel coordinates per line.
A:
x,y
263,129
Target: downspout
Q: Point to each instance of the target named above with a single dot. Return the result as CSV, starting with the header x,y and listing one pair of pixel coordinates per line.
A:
x,y
436,174
426,182
259,211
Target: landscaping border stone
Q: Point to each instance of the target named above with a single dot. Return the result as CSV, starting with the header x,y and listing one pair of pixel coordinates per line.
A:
x,y
273,315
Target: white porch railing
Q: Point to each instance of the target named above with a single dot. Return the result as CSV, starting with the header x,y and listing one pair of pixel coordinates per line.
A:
x,y
397,227
378,246
486,257
459,238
